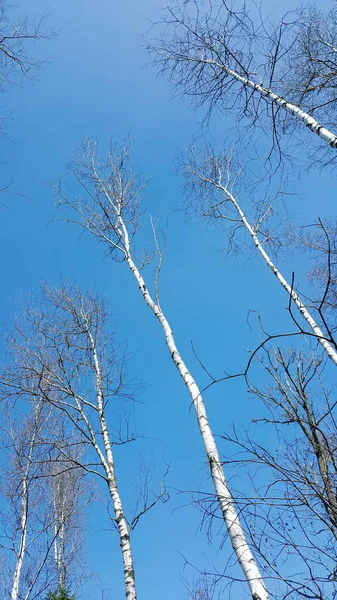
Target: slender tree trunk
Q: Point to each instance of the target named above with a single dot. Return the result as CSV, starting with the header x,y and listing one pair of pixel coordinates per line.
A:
x,y
24,515
122,524
323,457
59,526
124,535
23,540
329,494
226,502
331,352
266,93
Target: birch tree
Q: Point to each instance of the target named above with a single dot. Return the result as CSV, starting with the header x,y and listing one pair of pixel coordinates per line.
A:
x,y
25,471
69,495
27,523
64,494
233,60
69,360
110,211
211,183
39,516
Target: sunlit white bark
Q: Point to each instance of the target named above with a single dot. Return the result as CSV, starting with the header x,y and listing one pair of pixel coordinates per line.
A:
x,y
88,422
224,188
23,539
23,527
226,502
220,55
122,525
309,121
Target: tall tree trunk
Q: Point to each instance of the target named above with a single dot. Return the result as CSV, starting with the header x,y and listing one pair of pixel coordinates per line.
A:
x,y
309,121
294,110
318,333
20,556
236,534
23,540
122,524
59,529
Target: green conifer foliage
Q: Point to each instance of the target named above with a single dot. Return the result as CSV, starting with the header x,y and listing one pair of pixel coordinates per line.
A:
x,y
60,594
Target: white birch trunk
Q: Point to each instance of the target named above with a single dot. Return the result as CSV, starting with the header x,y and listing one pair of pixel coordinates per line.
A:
x,y
59,526
236,534
294,110
24,516
331,352
23,541
122,525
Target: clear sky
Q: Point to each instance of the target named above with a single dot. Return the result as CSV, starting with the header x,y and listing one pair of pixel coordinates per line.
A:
x,y
98,84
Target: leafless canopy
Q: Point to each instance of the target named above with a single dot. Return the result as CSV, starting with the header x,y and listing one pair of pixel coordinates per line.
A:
x,y
210,178
108,196
32,524
231,57
18,32
53,358
311,66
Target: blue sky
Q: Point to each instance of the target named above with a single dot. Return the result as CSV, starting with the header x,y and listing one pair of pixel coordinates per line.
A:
x,y
97,84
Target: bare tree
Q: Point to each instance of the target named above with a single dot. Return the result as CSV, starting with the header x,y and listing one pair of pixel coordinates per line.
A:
x,y
18,31
211,183
28,524
110,211
68,359
292,497
69,497
25,471
239,61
